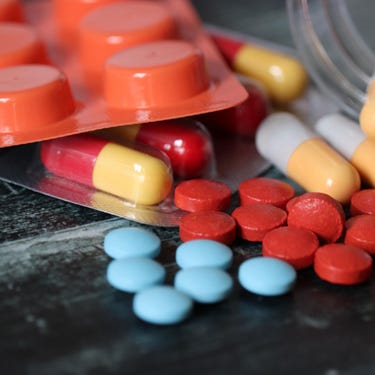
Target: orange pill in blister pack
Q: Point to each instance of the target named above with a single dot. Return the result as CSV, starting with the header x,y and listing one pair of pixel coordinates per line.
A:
x,y
29,94
68,14
20,44
103,31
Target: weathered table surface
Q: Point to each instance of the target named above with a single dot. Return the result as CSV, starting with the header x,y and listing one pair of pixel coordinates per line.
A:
x,y
58,315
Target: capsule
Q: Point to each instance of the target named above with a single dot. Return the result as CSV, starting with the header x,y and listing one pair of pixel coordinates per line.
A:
x,y
367,114
347,138
187,143
306,158
283,76
122,171
244,118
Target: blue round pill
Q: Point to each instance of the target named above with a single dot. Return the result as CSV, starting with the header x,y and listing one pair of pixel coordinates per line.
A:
x,y
204,284
162,304
204,253
130,242
267,276
135,274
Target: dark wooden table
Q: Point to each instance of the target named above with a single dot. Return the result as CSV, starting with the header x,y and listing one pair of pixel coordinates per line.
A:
x,y
58,315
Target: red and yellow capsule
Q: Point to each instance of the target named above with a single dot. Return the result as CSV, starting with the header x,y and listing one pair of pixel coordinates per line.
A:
x,y
123,171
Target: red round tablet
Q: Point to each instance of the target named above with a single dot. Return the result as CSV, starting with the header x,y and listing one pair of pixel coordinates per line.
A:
x,y
202,195
297,246
319,213
255,220
360,232
265,190
363,202
214,225
342,264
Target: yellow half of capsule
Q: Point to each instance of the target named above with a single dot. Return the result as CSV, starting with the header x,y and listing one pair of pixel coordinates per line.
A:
x,y
317,167
283,76
132,175
363,159
120,133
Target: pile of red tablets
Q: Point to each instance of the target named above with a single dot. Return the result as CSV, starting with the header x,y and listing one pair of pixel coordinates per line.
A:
x,y
311,229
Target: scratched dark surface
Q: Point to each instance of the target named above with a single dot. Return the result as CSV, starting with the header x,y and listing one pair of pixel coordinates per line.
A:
x,y
58,315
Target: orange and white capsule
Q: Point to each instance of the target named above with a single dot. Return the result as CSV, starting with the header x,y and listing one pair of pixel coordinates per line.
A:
x,y
305,157
129,173
347,138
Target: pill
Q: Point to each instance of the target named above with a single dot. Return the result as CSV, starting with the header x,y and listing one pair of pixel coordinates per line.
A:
x,y
155,75
265,190
297,246
162,304
11,11
360,232
342,264
242,119
28,97
255,220
130,242
363,202
319,213
213,225
135,274
104,31
187,143
202,195
306,158
204,253
347,138
283,76
20,44
68,14
116,169
267,276
204,284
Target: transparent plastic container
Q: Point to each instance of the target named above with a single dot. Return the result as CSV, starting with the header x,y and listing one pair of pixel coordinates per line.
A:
x,y
333,39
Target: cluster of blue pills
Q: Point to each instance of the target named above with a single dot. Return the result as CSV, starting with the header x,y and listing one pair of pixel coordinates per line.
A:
x,y
202,277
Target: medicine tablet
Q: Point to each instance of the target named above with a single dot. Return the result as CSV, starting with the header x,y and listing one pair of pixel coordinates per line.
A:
x,y
204,253
267,276
213,225
255,220
319,213
130,242
202,195
296,246
360,232
342,264
162,304
363,202
135,274
265,190
204,284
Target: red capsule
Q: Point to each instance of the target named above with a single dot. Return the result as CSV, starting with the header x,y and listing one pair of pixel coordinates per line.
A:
x,y
187,143
244,118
